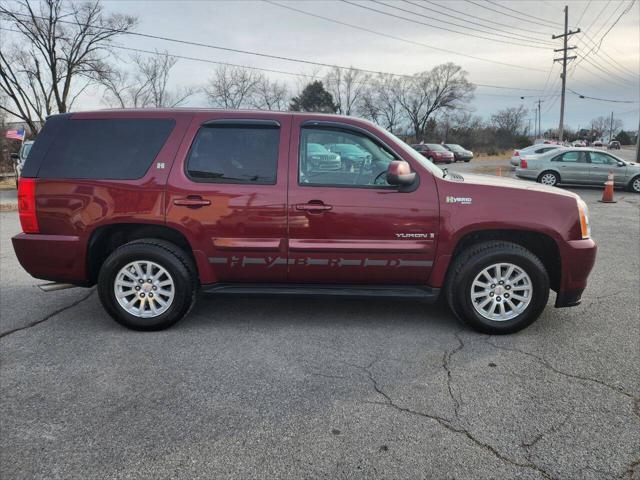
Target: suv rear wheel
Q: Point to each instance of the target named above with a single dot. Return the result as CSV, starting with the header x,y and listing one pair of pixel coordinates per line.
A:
x,y
497,287
147,284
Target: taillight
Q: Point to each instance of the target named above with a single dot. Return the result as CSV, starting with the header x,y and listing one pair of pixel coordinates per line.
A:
x,y
27,205
523,163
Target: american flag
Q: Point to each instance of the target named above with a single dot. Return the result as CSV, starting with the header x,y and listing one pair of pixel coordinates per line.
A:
x,y
15,134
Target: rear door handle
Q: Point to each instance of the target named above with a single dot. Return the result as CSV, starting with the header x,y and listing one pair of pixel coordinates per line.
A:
x,y
192,202
313,207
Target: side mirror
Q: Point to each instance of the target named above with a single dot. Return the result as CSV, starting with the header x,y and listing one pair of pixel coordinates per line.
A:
x,y
621,164
399,173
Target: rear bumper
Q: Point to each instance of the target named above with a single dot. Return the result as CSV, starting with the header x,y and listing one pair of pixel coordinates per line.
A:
x,y
578,258
526,173
59,258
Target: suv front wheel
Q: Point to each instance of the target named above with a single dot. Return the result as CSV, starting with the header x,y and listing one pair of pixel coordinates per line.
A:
x,y
147,284
497,287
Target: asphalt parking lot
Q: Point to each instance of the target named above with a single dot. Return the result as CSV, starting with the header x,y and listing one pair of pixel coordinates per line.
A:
x,y
293,388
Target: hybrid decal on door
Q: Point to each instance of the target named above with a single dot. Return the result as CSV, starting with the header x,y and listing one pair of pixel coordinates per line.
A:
x,y
336,262
460,200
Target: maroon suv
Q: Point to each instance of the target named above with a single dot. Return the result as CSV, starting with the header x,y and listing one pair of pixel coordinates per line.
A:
x,y
156,205
434,152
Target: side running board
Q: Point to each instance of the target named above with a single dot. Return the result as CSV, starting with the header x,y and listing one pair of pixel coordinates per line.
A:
x,y
417,292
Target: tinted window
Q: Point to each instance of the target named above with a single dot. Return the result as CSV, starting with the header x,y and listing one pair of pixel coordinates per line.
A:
x,y
602,159
359,161
112,149
235,154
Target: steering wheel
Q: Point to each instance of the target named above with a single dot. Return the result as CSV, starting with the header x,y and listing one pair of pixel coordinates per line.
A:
x,y
379,180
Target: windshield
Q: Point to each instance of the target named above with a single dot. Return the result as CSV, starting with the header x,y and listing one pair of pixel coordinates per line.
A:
x,y
346,148
316,148
436,148
416,156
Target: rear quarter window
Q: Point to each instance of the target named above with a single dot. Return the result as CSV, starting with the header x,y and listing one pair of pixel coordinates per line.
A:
x,y
110,149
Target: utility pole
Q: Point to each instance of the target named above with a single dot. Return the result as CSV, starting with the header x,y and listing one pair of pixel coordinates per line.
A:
x,y
638,144
564,60
611,128
539,129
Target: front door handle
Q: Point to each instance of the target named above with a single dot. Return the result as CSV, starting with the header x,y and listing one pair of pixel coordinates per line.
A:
x,y
192,201
313,207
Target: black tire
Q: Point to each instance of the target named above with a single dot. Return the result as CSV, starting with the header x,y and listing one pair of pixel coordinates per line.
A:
x,y
469,263
549,172
172,259
635,188
467,160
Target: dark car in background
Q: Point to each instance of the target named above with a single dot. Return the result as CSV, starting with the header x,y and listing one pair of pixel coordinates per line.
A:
x,y
350,154
320,158
613,145
460,154
434,152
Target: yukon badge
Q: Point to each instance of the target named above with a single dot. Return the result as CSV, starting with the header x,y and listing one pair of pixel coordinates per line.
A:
x,y
415,235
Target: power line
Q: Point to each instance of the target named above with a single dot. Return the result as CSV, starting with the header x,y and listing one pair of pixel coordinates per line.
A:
x,y
525,17
596,46
493,27
523,13
357,27
448,7
439,27
601,99
270,70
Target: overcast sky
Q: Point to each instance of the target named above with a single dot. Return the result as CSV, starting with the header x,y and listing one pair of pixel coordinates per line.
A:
x,y
258,26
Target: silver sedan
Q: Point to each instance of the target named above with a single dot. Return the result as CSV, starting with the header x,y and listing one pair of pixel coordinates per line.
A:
x,y
582,166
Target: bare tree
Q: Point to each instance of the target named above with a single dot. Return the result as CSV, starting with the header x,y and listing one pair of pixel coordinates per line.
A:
x,y
62,49
380,104
268,95
600,126
148,86
510,119
346,87
445,87
231,87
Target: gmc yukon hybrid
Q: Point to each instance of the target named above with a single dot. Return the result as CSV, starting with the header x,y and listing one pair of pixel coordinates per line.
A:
x,y
154,206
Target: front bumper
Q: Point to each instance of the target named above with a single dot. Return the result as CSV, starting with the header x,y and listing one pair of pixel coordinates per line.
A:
x,y
578,258
59,258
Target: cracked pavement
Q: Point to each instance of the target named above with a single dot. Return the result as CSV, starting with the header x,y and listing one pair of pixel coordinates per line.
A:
x,y
294,388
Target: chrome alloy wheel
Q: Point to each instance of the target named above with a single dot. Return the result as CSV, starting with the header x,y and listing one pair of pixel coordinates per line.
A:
x,y
501,292
548,179
636,185
144,289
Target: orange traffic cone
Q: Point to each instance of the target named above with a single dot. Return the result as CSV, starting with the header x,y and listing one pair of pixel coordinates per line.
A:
x,y
607,194
499,171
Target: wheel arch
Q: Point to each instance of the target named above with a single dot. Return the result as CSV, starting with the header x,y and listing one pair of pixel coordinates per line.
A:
x,y
105,239
540,244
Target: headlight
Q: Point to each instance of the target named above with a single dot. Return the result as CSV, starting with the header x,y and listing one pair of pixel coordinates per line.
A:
x,y
583,210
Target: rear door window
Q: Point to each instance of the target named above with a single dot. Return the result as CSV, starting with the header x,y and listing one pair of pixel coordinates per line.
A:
x,y
110,149
571,157
235,154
